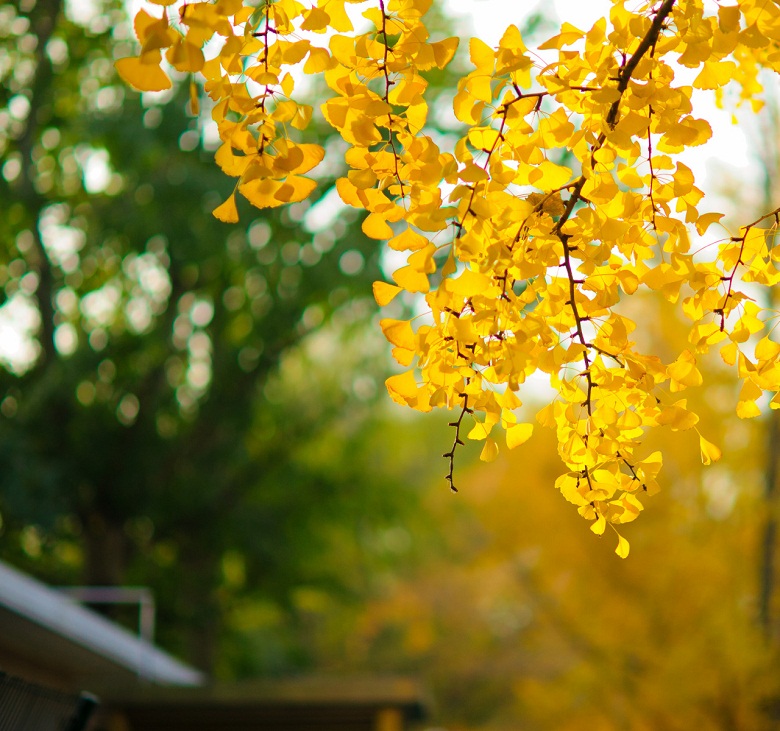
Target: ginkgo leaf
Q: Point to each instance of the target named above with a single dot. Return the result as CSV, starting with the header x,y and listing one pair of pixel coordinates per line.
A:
x,y
622,547
600,526
444,51
408,240
518,434
375,226
402,387
482,55
709,452
319,60
315,19
706,220
398,332
489,451
411,279
385,293
295,188
227,211
142,75
185,56
527,264
729,353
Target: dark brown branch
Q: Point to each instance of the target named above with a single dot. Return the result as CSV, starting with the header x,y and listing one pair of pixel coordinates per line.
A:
x,y
386,97
624,77
451,454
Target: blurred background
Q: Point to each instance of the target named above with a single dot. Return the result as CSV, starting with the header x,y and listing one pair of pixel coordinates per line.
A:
x,y
199,408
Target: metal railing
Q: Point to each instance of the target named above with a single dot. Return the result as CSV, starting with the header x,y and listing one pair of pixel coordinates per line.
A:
x,y
26,706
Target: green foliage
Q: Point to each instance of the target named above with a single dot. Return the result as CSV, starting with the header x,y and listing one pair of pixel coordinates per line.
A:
x,y
175,423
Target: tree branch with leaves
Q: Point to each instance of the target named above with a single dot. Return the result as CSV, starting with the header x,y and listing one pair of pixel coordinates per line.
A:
x,y
564,197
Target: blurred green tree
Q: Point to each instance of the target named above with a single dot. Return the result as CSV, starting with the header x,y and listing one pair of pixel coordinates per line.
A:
x,y
148,433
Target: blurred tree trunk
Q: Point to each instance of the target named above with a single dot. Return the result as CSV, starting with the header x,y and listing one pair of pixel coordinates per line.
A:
x,y
106,551
44,19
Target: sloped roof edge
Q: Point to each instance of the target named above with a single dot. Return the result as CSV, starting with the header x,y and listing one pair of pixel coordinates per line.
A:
x,y
37,603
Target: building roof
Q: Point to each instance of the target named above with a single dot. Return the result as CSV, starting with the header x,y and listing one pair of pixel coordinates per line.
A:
x,y
302,703
50,631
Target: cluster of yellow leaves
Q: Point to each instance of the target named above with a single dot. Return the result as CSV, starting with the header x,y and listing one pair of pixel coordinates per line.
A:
x,y
251,83
562,198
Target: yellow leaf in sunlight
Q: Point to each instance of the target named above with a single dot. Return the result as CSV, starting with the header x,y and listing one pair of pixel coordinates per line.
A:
x,y
548,175
185,56
227,211
339,19
569,34
385,293
684,372
402,387
746,406
143,74
319,60
599,526
709,452
729,353
362,179
408,240
678,417
706,220
715,74
482,55
411,279
518,434
688,132
622,547
295,188
403,390
480,431
261,192
443,51
398,332
403,356
316,20
489,451
375,226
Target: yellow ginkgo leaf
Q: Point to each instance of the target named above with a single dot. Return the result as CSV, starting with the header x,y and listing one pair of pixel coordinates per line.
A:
x,y
385,293
315,20
185,56
319,60
295,188
398,332
227,211
489,451
411,279
142,75
622,547
709,452
375,227
599,526
408,240
518,434
402,386
444,51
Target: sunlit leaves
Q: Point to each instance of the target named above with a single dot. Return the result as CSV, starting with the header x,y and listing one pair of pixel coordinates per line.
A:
x,y
144,73
709,452
562,198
